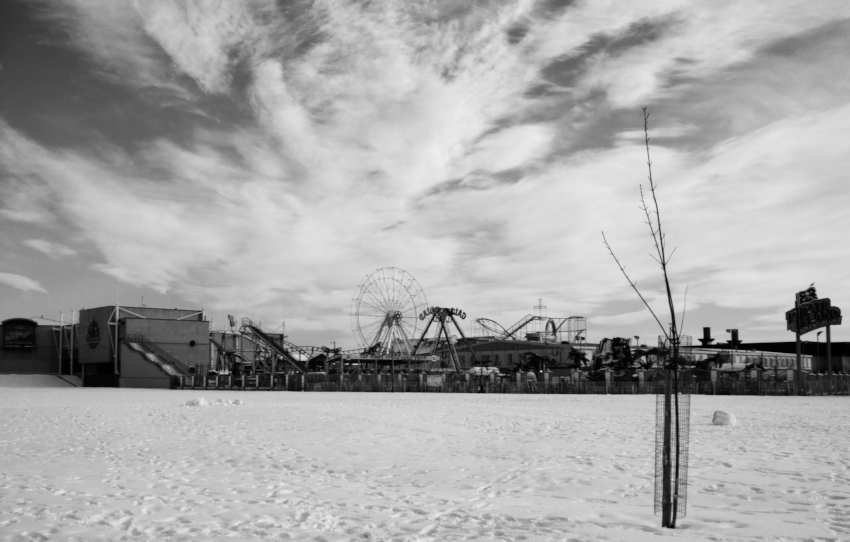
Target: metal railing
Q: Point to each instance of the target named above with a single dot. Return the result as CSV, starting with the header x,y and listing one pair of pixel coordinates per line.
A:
x,y
282,350
164,356
418,383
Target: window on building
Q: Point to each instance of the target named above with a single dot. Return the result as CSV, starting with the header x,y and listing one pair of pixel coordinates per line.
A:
x,y
496,359
510,359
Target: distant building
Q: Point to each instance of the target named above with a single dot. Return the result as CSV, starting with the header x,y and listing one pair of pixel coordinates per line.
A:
x,y
509,354
816,350
30,348
142,347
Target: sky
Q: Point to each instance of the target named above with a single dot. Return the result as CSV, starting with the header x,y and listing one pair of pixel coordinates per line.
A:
x,y
262,158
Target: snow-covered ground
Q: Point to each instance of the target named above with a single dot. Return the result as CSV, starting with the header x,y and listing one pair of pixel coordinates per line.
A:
x,y
36,381
83,464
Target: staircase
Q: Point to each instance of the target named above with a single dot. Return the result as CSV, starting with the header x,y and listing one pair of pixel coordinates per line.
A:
x,y
164,360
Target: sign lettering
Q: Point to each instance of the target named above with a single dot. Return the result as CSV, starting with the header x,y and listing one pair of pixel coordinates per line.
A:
x,y
18,336
813,315
441,313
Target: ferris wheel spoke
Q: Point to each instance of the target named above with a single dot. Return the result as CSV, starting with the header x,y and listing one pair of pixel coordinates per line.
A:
x,y
404,298
373,324
380,304
393,294
383,298
384,282
407,303
378,309
409,331
397,286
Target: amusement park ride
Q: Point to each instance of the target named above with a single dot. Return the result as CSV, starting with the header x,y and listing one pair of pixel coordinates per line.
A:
x,y
391,320
384,312
570,329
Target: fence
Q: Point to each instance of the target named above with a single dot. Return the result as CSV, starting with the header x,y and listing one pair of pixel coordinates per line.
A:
x,y
838,384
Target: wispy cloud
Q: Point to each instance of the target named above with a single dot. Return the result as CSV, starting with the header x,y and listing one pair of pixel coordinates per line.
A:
x,y
21,283
480,147
54,250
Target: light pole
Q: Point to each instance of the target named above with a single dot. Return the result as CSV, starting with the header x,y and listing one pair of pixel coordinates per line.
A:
x,y
817,345
732,342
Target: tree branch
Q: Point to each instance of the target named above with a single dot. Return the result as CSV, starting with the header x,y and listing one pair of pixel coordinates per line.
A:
x,y
659,239
633,285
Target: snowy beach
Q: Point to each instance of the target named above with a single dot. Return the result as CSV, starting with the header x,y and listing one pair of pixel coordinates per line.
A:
x,y
115,464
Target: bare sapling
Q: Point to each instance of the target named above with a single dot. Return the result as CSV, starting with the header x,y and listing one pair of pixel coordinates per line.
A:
x,y
670,475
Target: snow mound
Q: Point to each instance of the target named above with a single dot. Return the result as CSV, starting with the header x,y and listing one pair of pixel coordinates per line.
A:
x,y
201,402
722,418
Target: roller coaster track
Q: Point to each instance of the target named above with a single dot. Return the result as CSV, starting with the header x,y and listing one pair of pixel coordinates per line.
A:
x,y
495,327
282,350
552,328
524,321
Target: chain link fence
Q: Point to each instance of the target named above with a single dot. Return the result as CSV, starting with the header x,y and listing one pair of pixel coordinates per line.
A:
x,y
836,384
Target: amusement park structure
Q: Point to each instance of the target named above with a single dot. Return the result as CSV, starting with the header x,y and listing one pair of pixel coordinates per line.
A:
x,y
396,330
539,327
445,319
384,312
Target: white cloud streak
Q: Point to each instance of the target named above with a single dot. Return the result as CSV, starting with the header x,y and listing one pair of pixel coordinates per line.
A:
x,y
384,137
54,250
21,283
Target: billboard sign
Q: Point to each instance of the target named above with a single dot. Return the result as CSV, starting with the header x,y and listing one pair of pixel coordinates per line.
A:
x,y
813,315
19,333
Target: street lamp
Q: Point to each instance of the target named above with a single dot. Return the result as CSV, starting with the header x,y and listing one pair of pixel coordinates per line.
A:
x,y
817,344
732,342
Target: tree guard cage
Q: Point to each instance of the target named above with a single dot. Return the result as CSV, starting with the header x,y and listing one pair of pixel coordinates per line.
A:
x,y
681,427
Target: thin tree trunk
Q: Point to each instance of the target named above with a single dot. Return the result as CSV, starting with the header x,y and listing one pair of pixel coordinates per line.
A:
x,y
666,514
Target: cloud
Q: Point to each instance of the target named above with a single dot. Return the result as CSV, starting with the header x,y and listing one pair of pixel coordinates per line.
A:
x,y
112,34
54,250
21,283
634,51
483,159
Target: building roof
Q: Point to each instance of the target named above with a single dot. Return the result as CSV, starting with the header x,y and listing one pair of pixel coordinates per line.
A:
x,y
507,344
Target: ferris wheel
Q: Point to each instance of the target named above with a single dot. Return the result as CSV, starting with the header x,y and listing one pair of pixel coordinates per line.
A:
x,y
385,310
